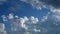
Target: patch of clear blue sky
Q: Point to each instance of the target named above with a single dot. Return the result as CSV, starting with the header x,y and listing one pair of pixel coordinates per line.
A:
x,y
25,10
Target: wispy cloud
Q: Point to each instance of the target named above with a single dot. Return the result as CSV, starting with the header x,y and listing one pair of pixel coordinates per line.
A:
x,y
2,1
35,3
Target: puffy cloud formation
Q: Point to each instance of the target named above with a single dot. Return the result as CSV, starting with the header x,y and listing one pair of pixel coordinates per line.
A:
x,y
31,25
2,26
49,24
2,29
19,24
37,30
52,21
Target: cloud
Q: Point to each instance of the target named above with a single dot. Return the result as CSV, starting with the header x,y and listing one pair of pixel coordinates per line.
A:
x,y
45,18
27,33
39,4
2,1
10,16
35,3
4,18
32,24
51,21
37,30
54,3
34,20
2,28
48,23
18,23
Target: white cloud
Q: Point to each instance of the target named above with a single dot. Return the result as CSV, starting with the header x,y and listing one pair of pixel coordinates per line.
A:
x,y
27,32
17,22
37,30
44,18
35,3
2,28
10,16
55,10
16,16
4,18
34,20
54,15
57,17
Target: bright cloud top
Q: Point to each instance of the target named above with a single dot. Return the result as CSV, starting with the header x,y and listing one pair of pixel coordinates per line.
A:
x,y
32,24
17,23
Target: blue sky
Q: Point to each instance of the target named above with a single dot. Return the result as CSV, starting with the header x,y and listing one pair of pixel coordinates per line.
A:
x,y
30,15
25,9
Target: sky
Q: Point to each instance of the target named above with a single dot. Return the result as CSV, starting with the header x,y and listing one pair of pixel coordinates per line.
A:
x,y
36,16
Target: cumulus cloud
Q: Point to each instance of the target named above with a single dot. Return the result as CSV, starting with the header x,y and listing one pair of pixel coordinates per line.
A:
x,y
34,20
47,24
18,23
4,18
37,30
10,16
51,20
33,24
2,28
